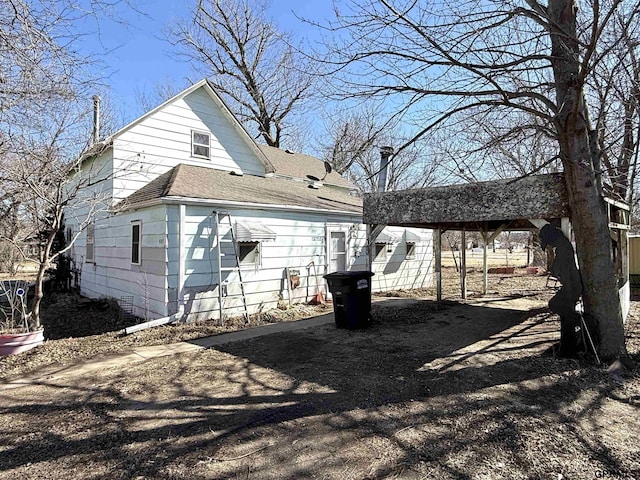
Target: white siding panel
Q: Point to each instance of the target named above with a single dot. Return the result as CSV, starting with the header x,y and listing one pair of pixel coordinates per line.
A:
x,y
300,240
113,275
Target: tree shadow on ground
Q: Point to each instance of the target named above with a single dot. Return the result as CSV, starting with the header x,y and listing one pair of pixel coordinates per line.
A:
x,y
424,393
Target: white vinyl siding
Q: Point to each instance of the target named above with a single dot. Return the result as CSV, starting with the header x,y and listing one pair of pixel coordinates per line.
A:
x,y
113,275
300,244
165,139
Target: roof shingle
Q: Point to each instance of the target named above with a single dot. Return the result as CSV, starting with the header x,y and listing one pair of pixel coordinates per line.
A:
x,y
210,184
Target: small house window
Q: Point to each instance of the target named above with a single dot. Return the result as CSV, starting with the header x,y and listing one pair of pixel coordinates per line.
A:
x,y
90,244
136,234
200,144
69,235
411,250
249,253
380,252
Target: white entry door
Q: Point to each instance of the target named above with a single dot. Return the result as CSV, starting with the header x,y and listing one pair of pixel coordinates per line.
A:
x,y
338,251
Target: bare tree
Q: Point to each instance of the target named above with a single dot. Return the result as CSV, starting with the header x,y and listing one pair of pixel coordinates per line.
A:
x,y
506,147
150,97
249,61
353,149
615,96
46,83
437,62
45,185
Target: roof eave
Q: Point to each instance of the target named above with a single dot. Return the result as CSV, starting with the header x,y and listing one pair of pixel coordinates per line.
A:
x,y
179,200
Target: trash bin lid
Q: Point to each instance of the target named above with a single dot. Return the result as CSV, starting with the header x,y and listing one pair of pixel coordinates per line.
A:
x,y
350,274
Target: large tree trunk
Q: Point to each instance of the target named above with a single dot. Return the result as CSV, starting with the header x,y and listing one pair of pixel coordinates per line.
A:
x,y
580,157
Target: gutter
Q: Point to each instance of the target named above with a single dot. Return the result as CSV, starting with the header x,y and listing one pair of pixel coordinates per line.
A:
x,y
229,203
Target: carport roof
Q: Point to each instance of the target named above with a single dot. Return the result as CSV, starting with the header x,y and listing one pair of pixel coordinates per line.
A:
x,y
474,206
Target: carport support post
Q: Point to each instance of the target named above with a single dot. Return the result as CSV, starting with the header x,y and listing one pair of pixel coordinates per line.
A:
x,y
485,262
438,247
463,265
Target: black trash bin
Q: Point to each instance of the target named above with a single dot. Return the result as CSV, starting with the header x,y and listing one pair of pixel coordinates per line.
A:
x,y
351,293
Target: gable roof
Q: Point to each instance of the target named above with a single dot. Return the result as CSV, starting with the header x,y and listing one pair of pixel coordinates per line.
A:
x,y
298,165
101,146
188,182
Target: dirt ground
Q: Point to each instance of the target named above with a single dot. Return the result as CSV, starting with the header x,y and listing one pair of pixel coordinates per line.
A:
x,y
456,390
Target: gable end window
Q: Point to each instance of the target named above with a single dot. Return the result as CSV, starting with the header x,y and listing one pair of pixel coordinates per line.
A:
x,y
136,244
200,144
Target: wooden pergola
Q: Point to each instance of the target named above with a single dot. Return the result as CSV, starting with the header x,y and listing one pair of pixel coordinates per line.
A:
x,y
492,207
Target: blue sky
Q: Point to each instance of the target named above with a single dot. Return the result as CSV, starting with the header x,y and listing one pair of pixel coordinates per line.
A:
x,y
137,58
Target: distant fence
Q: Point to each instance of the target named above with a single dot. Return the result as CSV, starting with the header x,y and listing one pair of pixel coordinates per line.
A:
x,y
499,258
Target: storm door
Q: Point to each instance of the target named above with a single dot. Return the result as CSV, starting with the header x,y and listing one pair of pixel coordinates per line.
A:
x,y
337,251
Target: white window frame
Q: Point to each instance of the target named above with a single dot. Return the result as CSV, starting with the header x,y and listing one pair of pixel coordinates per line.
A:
x,y
380,251
258,256
411,251
90,244
137,223
195,144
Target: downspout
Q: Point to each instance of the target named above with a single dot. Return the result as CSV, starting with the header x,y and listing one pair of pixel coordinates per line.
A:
x,y
216,216
181,260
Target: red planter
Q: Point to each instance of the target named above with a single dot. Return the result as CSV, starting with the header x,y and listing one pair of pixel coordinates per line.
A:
x,y
11,343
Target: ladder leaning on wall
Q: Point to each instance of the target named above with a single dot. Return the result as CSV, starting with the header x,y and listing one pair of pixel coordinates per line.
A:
x,y
236,268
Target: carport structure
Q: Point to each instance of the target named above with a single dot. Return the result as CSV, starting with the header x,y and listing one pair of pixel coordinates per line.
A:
x,y
517,204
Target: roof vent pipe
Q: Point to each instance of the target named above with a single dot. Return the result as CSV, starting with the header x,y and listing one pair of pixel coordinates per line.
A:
x,y
385,153
96,119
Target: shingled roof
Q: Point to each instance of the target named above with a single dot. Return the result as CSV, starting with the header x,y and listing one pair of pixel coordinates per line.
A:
x,y
187,181
298,165
473,206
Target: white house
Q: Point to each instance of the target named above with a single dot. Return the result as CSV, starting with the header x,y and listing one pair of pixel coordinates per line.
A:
x,y
184,188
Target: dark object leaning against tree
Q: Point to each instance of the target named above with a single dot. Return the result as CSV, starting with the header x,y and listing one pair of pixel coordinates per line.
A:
x,y
564,301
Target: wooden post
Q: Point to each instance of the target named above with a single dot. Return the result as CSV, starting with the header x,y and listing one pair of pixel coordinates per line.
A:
x,y
438,247
370,247
485,262
463,265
